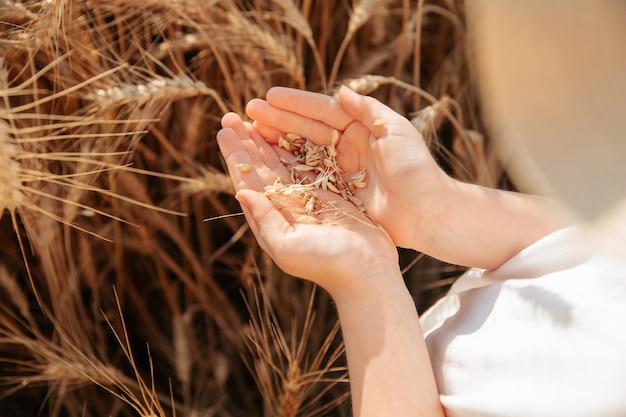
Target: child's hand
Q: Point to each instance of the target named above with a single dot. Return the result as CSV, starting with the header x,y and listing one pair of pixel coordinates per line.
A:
x,y
402,177
336,252
407,193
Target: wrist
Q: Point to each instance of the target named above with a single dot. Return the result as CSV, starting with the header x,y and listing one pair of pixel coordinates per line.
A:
x,y
368,283
483,227
430,216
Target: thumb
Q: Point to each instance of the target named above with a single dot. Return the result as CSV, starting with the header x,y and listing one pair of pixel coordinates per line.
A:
x,y
264,219
374,115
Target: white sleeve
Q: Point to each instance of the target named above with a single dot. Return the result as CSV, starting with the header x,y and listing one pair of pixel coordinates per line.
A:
x,y
544,335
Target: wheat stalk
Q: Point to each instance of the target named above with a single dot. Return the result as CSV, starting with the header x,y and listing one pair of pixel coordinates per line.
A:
x,y
291,383
11,196
362,11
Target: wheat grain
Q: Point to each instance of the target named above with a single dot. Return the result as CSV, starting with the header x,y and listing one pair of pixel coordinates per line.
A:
x,y
319,161
209,181
291,381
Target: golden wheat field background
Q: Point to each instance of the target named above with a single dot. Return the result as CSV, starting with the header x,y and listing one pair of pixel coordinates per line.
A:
x,y
117,297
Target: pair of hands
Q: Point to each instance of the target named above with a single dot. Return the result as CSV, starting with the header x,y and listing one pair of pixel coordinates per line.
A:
x,y
418,205
402,182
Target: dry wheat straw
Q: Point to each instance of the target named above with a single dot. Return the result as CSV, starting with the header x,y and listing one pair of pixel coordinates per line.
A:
x,y
11,196
275,48
209,181
291,382
16,295
297,20
362,11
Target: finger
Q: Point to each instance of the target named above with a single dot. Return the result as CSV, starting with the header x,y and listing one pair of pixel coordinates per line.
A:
x,y
272,156
351,150
266,222
354,148
380,119
270,133
234,122
267,151
260,155
240,196
241,166
310,105
281,120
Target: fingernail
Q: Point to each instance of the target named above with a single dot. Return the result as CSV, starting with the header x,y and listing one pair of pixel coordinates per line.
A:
x,y
344,89
241,198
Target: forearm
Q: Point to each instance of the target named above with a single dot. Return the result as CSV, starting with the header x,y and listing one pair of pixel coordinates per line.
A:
x,y
390,371
484,227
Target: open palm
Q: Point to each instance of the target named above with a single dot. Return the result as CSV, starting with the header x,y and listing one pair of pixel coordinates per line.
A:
x,y
402,177
330,250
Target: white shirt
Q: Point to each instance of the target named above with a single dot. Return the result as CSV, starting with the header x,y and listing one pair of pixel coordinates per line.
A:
x,y
543,335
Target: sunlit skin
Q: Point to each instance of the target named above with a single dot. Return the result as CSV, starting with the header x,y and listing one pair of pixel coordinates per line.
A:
x,y
407,193
348,246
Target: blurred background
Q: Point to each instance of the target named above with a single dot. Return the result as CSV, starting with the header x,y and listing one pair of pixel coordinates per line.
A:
x,y
552,83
